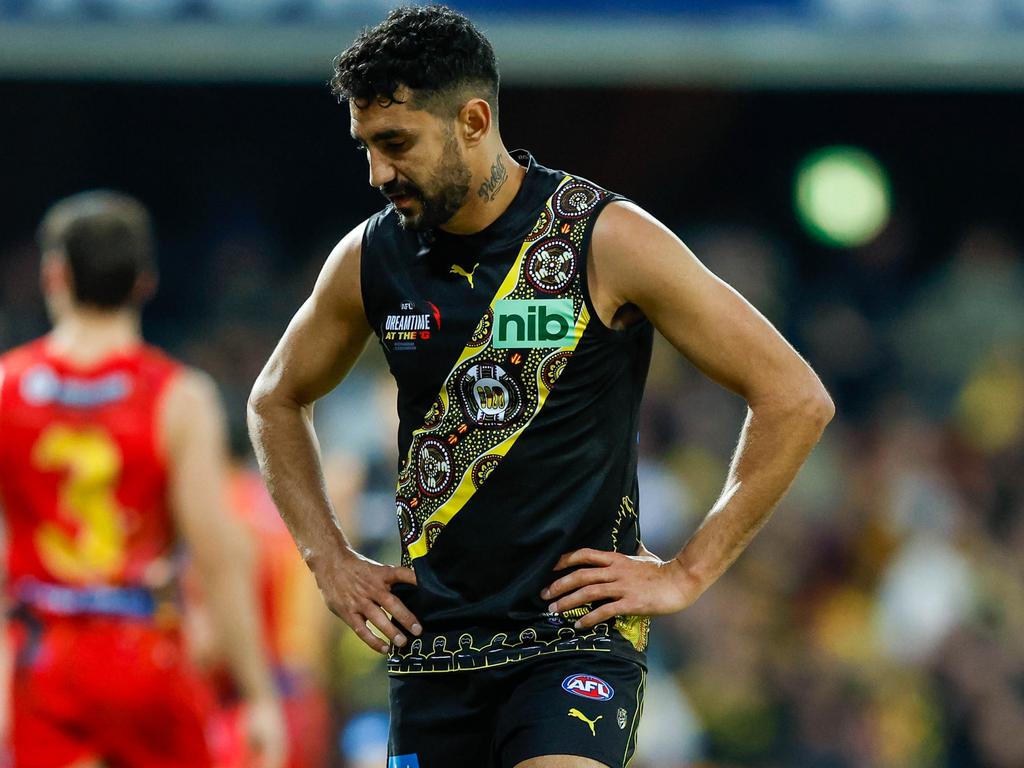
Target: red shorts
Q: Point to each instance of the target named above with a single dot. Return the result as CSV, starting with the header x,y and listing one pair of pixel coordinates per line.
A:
x,y
118,690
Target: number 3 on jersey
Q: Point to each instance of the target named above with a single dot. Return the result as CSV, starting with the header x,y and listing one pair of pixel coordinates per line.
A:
x,y
91,461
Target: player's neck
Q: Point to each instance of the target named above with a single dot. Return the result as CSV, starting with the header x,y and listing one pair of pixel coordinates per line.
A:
x,y
85,336
491,192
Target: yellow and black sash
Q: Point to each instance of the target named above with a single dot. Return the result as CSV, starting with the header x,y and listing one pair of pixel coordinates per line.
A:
x,y
504,374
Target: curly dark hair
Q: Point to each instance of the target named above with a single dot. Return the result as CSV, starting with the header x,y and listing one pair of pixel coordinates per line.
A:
x,y
434,51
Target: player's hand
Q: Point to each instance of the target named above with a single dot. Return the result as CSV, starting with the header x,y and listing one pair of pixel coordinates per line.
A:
x,y
642,584
266,732
358,590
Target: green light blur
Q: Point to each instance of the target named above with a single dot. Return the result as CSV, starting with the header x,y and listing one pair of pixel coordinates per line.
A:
x,y
842,196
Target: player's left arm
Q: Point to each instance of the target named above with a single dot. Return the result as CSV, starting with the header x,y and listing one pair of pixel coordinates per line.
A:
x,y
193,427
635,260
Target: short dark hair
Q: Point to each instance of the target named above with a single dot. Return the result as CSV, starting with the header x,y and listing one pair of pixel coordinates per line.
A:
x,y
107,239
434,51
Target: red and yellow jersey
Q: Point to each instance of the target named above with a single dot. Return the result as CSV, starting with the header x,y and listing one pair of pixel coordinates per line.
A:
x,y
83,479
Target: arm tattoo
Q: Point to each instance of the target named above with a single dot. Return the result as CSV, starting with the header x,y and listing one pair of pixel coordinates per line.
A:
x,y
499,175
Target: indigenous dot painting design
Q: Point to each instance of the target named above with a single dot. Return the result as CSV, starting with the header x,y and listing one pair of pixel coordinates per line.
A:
x,y
543,224
552,367
576,199
433,417
432,531
483,330
492,394
408,525
550,265
434,467
483,468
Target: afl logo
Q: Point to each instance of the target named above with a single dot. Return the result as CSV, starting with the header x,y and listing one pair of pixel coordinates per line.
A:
x,y
550,265
575,200
435,467
490,396
589,687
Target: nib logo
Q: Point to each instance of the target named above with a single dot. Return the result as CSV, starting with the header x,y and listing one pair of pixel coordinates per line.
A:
x,y
522,323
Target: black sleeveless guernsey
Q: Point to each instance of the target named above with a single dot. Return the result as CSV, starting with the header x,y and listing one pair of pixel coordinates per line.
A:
x,y
518,424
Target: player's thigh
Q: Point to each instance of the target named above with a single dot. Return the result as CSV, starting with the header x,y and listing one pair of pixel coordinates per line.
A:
x,y
443,720
571,711
560,761
58,749
152,707
48,721
41,738
168,731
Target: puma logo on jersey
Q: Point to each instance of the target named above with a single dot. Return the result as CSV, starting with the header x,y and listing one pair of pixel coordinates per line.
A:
x,y
457,270
590,723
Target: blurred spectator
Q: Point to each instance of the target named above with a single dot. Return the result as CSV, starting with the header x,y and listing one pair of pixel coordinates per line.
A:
x,y
969,308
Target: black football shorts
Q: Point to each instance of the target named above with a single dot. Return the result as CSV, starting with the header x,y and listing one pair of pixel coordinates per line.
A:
x,y
585,704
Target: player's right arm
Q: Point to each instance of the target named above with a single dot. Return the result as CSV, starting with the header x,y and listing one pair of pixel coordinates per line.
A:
x,y
320,346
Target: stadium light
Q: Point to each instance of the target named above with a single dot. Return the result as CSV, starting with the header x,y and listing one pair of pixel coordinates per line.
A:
x,y
842,196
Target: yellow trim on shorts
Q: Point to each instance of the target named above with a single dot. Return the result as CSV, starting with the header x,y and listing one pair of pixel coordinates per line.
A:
x,y
641,694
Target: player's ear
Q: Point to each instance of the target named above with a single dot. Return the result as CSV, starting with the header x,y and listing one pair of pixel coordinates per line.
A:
x,y
54,274
145,288
474,121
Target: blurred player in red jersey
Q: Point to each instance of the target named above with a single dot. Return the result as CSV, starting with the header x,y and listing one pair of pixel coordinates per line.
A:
x,y
110,454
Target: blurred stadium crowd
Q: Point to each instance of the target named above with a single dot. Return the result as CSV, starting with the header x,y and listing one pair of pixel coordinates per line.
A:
x,y
188,10
933,13
876,621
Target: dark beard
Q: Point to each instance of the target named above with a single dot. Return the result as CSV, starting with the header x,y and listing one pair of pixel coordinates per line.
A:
x,y
451,180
